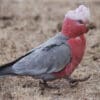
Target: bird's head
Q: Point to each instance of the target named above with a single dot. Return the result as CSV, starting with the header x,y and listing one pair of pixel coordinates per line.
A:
x,y
77,22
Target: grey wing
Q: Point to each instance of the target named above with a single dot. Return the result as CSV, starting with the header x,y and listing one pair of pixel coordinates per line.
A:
x,y
51,58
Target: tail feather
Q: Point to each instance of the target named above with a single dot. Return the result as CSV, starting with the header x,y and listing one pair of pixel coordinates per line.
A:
x,y
6,69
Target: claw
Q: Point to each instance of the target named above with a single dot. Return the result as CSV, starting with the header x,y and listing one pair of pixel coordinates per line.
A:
x,y
73,84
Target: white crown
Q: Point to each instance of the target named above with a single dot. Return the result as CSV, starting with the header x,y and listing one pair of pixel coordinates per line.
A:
x,y
81,13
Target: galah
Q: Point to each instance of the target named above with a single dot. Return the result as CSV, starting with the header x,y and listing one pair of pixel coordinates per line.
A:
x,y
59,56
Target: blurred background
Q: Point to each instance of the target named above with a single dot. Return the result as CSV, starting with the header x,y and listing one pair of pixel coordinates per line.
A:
x,y
24,24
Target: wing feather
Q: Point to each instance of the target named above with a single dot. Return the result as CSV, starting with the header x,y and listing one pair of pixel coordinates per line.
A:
x,y
44,60
51,56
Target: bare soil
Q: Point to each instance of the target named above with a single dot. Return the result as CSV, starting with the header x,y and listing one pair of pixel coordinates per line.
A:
x,y
24,24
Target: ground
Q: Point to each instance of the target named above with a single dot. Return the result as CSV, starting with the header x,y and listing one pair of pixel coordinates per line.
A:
x,y
25,24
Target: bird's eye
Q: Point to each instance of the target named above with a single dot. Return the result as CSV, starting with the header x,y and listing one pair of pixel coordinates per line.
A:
x,y
80,21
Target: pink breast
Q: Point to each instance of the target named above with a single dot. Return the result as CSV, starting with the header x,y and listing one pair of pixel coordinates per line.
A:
x,y
77,46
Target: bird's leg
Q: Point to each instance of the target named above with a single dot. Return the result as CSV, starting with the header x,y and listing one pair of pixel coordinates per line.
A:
x,y
43,84
74,82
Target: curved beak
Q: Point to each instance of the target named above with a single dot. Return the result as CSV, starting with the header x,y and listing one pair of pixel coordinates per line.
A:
x,y
91,26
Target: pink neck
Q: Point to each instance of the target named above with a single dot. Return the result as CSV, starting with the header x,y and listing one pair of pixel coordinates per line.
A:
x,y
65,27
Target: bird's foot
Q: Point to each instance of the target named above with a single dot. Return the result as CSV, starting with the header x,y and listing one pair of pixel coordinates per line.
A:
x,y
43,85
74,82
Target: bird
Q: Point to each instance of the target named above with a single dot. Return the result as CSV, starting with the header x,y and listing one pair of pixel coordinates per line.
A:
x,y
59,56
